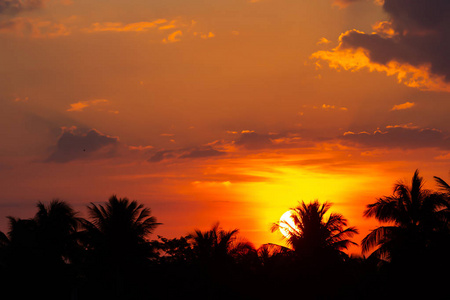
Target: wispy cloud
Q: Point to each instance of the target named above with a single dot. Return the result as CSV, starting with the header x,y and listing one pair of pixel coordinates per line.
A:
x,y
173,37
34,28
403,106
121,27
81,105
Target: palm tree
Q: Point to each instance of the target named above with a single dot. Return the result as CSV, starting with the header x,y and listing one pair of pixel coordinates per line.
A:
x,y
219,259
314,235
120,228
444,213
412,214
57,230
217,244
42,249
116,239
51,234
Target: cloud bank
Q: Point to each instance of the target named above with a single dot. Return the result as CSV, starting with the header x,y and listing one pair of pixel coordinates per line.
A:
x,y
403,137
413,45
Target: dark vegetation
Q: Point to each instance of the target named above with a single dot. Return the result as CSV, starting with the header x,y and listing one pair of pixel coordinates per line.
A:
x,y
57,255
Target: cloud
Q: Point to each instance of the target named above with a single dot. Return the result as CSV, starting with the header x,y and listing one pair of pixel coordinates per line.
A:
x,y
323,41
328,107
344,3
173,37
121,27
202,153
400,136
74,144
190,153
34,28
12,7
252,140
204,36
402,106
413,45
161,155
81,105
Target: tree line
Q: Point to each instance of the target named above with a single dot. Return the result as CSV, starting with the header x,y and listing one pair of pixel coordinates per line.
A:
x,y
58,255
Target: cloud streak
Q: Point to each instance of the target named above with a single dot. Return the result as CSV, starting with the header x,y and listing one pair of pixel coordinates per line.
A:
x,y
121,27
81,105
400,136
403,106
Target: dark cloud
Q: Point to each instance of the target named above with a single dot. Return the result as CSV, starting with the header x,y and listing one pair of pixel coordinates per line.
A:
x,y
418,34
400,137
12,7
254,141
74,145
161,155
200,153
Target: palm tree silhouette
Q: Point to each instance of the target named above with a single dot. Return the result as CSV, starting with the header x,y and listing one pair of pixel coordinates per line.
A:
x,y
218,245
314,235
43,249
413,213
57,231
116,238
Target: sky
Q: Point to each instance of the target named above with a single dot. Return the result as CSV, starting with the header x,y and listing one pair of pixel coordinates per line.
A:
x,y
229,111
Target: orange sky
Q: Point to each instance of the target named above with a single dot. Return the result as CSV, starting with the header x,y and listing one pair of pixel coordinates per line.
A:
x,y
230,111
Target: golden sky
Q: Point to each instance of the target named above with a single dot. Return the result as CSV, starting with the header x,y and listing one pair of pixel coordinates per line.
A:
x,y
222,110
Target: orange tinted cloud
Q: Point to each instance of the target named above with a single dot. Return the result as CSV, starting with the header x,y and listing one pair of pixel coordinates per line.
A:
x,y
343,3
120,27
81,105
351,59
34,28
402,106
173,37
413,45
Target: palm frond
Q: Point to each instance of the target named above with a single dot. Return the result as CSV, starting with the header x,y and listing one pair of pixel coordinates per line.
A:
x,y
377,237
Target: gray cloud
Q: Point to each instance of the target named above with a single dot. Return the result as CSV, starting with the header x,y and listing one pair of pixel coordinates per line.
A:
x,y
200,153
254,141
400,137
161,155
12,7
75,145
418,34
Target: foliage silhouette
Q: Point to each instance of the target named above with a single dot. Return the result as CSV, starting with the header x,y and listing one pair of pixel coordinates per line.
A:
x,y
58,255
38,250
414,213
117,244
415,241
313,234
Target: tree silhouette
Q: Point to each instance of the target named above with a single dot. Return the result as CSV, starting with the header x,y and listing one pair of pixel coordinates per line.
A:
x,y
42,249
218,245
314,235
116,238
412,214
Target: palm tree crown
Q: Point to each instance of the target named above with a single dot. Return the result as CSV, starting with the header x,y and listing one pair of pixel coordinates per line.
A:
x,y
218,245
120,228
313,234
412,214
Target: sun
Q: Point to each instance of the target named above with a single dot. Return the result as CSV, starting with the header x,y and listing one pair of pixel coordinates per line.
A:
x,y
287,224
